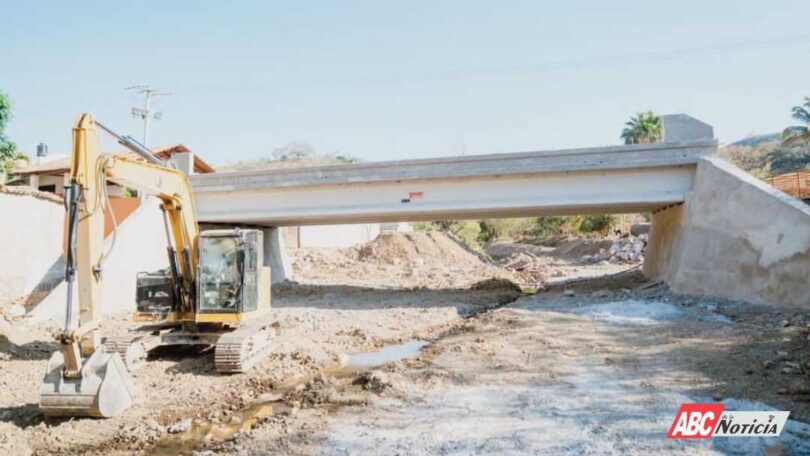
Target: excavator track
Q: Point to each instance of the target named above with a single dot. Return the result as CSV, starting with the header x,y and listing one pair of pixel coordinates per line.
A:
x,y
242,349
133,348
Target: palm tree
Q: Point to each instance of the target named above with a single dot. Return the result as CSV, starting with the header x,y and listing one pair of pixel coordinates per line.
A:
x,y
798,133
643,128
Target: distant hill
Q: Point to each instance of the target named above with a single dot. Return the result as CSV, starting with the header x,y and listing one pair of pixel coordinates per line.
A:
x,y
756,140
764,155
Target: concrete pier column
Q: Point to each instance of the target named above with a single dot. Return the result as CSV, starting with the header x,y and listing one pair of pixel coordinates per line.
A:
x,y
275,256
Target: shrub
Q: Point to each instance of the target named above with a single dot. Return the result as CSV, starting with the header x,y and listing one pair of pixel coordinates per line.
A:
x,y
493,229
551,225
425,226
598,222
468,232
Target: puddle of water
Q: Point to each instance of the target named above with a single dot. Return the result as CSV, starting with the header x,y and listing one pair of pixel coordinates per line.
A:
x,y
389,354
630,312
202,432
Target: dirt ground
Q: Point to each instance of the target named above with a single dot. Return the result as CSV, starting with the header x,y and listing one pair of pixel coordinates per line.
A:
x,y
597,365
434,260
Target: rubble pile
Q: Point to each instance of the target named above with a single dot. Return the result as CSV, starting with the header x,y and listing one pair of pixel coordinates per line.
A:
x,y
527,267
628,249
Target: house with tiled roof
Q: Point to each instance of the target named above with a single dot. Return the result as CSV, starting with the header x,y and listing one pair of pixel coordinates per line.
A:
x,y
50,173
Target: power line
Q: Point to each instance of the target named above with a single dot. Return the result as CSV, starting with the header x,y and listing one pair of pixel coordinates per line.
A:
x,y
649,56
616,59
539,67
145,113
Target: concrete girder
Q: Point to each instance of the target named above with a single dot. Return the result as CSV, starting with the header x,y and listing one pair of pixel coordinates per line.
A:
x,y
619,191
607,179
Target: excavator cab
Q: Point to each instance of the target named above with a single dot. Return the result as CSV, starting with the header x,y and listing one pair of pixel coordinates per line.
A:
x,y
228,279
229,271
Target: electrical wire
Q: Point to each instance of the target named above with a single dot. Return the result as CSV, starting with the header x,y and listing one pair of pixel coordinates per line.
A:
x,y
101,200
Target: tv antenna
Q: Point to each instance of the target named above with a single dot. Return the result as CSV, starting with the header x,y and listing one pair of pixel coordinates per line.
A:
x,y
145,113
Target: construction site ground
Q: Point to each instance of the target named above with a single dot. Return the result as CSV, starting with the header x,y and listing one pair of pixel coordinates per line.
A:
x,y
525,351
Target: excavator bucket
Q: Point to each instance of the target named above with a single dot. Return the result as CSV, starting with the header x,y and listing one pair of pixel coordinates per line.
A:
x,y
104,388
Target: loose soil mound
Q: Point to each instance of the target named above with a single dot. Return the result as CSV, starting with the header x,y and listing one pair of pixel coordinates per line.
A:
x,y
432,260
415,248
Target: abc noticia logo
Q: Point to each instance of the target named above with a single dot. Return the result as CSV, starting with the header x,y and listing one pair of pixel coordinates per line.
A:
x,y
704,421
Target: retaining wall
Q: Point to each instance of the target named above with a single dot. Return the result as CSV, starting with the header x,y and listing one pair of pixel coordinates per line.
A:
x,y
734,237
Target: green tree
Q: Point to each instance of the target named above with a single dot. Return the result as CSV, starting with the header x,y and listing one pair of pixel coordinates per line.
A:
x,y
293,151
8,150
787,159
755,160
551,225
643,128
598,222
798,133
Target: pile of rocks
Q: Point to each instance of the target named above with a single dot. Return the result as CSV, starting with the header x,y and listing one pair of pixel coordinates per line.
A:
x,y
628,249
527,267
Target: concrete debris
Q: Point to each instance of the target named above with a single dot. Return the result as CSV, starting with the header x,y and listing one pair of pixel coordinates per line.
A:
x,y
374,381
267,397
180,426
15,334
629,249
638,229
134,437
15,311
526,267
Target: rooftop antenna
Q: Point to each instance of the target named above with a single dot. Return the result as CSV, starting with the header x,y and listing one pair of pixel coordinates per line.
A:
x,y
145,113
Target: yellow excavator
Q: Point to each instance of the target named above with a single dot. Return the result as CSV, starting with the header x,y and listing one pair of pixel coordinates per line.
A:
x,y
215,292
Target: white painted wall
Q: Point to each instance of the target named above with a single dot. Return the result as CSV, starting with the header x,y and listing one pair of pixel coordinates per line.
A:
x,y
31,239
58,182
140,246
338,235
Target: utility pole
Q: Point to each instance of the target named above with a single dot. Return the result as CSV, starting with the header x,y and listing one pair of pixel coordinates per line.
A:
x,y
145,113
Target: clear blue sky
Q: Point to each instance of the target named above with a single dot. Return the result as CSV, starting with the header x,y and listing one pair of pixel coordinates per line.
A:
x,y
389,80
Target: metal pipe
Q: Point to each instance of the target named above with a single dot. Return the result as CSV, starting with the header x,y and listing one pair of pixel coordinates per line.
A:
x,y
173,263
133,145
72,198
190,279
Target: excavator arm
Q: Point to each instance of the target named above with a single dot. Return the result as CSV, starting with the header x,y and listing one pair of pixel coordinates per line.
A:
x,y
82,379
90,169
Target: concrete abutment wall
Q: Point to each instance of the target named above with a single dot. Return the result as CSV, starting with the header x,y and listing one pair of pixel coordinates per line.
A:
x,y
734,237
